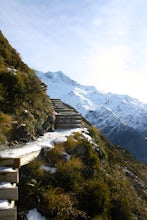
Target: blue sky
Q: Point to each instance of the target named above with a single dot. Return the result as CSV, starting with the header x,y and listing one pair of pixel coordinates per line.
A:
x,y
95,42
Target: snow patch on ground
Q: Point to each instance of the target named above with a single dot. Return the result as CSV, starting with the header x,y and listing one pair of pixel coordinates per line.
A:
x,y
46,141
59,140
88,137
34,215
67,156
46,168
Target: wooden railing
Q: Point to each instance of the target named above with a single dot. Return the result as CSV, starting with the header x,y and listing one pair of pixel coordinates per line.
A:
x,y
9,177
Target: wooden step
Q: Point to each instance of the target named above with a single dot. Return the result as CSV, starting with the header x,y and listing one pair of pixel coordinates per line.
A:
x,y
25,159
68,115
8,214
10,162
62,107
56,100
64,110
68,120
68,126
71,120
9,176
9,193
59,106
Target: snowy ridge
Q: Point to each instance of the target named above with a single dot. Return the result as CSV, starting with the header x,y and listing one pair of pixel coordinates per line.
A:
x,y
115,115
84,98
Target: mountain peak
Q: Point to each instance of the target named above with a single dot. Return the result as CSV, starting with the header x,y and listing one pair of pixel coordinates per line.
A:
x,y
59,76
120,117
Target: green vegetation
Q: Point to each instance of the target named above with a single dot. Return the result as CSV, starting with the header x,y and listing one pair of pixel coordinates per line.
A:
x,y
25,109
5,126
88,180
9,57
92,182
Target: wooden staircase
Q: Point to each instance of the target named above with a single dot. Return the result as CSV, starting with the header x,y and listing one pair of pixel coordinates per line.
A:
x,y
66,116
9,178
9,191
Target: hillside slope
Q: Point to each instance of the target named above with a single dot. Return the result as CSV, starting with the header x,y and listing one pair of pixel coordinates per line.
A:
x,y
84,177
121,118
25,109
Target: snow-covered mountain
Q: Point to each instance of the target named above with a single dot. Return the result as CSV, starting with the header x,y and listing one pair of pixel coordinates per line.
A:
x,y
121,118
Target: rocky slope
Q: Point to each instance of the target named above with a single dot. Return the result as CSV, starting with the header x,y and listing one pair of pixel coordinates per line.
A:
x,y
121,118
25,109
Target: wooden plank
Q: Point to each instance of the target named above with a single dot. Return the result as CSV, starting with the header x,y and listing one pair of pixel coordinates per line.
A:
x,y
27,158
68,126
56,100
68,119
74,113
10,162
59,104
64,110
8,214
68,116
9,193
12,177
78,120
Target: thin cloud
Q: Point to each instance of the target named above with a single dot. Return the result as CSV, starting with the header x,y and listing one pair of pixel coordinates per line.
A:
x,y
103,39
